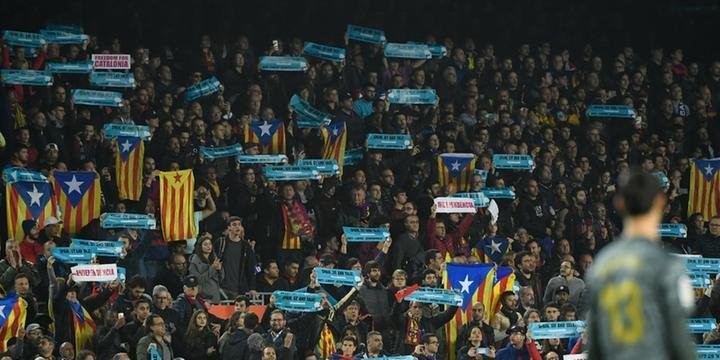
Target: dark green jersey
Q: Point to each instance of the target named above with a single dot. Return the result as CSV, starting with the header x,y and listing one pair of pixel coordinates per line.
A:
x,y
640,297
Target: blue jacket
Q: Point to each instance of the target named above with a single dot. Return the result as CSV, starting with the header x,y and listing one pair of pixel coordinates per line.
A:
x,y
511,353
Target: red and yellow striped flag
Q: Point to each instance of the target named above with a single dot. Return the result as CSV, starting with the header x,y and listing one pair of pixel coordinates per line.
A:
x,y
455,169
334,141
704,194
13,312
84,327
269,134
26,200
504,281
78,194
176,205
129,159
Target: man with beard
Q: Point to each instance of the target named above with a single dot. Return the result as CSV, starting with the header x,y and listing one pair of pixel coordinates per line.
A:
x,y
22,288
279,334
527,299
172,275
478,315
566,278
375,295
30,247
507,317
525,274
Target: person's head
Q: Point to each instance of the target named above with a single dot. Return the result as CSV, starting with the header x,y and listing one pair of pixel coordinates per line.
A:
x,y
509,300
429,278
271,270
191,286
562,294
121,356
268,352
155,325
412,224
235,227
67,350
136,287
33,332
526,262
162,299
478,311
179,264
46,346
431,343
85,355
641,198
517,336
476,335
374,342
349,345
277,320
236,321
567,268
714,225
199,319
568,312
141,309
527,296
22,284
251,321
373,271
241,303
32,232
531,316
551,312
415,309
352,311
399,278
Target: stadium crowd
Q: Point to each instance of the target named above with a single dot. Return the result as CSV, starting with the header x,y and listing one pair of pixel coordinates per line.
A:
x,y
531,101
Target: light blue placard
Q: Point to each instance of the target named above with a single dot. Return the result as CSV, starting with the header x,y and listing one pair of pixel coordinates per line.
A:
x,y
389,141
673,230
221,151
73,255
24,39
12,175
662,177
483,174
122,274
436,296
73,29
96,97
112,79
699,326
708,351
499,193
261,159
311,114
284,173
63,37
700,264
283,63
365,34
297,301
353,156
338,276
437,51
407,51
204,88
75,67
479,198
324,52
556,329
699,280
413,96
154,353
361,234
131,221
406,357
112,131
323,166
514,162
27,77
103,248
611,111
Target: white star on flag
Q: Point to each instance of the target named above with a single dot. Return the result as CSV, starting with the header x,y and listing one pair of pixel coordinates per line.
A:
x,y
455,166
2,311
708,170
35,196
74,185
466,284
265,127
494,247
126,146
335,131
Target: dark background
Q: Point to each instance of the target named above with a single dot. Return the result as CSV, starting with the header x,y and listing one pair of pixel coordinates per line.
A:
x,y
608,25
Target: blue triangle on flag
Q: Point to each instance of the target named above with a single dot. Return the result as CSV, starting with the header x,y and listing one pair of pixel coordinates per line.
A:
x,y
265,130
126,145
466,278
335,130
494,247
35,195
707,168
455,163
6,307
74,184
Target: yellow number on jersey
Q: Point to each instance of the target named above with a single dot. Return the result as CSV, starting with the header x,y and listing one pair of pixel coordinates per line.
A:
x,y
622,303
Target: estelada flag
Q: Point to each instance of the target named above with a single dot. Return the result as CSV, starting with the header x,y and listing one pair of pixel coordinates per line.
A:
x,y
704,194
13,312
27,200
78,194
334,141
455,169
129,166
176,205
269,134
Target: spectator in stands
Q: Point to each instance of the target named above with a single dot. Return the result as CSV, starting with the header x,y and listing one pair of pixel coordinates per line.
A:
x,y
30,247
238,259
206,266
519,347
709,244
279,335
189,301
134,291
486,336
270,280
507,317
566,278
172,275
157,340
201,342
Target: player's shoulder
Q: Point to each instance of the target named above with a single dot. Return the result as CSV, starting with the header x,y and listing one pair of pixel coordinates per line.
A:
x,y
628,256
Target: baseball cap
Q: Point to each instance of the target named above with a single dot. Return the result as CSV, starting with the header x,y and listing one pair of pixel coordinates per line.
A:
x,y
562,288
31,327
52,146
191,281
516,329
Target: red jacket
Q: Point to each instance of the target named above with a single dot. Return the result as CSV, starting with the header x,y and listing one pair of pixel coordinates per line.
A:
x,y
451,241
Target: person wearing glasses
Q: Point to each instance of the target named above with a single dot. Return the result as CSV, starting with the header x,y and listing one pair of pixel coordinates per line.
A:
x,y
708,245
156,341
